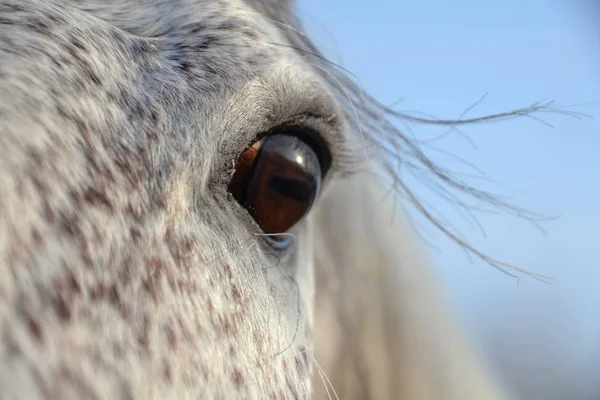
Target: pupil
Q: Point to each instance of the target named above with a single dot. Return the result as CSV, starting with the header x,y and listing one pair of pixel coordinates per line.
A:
x,y
294,189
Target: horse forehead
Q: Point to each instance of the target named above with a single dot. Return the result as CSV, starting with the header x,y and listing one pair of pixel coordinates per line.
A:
x,y
205,52
202,46
220,36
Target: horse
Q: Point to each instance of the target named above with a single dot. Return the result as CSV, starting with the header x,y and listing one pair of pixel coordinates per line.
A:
x,y
195,204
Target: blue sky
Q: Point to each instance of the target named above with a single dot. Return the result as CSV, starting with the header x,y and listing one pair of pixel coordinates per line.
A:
x,y
440,57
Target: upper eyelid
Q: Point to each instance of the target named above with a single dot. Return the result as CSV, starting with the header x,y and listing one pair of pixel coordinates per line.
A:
x,y
284,97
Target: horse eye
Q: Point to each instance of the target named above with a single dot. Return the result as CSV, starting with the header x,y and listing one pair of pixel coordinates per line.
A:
x,y
276,180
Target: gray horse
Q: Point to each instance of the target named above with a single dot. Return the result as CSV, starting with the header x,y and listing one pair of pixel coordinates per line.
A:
x,y
193,205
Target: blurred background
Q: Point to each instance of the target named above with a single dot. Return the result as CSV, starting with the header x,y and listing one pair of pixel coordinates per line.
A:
x,y
440,58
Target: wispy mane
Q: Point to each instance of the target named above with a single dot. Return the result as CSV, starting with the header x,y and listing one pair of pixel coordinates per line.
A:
x,y
391,150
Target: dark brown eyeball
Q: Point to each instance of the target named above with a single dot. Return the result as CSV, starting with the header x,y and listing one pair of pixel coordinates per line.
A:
x,y
277,180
